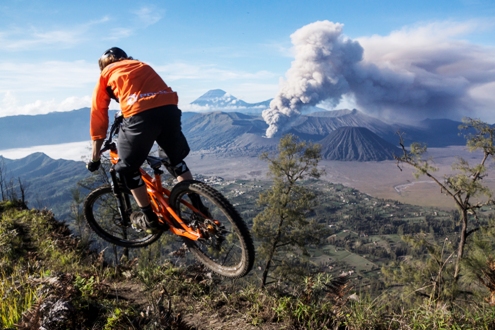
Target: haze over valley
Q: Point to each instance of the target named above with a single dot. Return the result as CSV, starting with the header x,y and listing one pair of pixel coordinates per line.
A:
x,y
349,94
228,135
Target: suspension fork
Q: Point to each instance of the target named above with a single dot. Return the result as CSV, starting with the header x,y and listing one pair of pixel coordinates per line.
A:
x,y
123,200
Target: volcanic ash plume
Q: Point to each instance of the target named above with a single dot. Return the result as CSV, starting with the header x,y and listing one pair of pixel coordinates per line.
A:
x,y
410,74
322,55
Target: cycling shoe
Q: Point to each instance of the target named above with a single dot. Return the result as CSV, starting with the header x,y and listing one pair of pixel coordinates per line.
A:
x,y
140,222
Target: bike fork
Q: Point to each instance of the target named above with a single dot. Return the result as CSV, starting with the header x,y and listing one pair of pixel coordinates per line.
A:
x,y
122,199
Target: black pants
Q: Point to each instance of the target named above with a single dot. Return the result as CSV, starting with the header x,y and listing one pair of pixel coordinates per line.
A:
x,y
139,132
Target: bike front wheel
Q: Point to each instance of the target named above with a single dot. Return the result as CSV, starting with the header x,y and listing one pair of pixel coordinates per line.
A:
x,y
102,212
226,246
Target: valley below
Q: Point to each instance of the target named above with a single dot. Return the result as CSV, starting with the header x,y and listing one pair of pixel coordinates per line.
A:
x,y
366,211
363,208
381,179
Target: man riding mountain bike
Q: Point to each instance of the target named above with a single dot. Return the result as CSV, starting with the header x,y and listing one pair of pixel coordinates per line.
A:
x,y
149,108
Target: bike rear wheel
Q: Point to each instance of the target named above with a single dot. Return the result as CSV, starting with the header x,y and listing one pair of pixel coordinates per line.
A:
x,y
101,209
227,247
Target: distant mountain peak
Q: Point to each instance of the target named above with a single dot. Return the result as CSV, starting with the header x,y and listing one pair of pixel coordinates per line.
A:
x,y
218,96
218,99
213,93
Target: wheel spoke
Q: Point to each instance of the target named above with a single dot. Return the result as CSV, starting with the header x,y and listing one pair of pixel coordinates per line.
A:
x,y
102,213
226,246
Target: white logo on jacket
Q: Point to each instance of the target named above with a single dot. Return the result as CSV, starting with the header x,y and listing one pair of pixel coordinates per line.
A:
x,y
131,99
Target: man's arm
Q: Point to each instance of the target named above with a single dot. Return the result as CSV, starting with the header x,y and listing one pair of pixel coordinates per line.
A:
x,y
96,147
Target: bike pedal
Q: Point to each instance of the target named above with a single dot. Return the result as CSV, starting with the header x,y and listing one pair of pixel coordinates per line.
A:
x,y
136,228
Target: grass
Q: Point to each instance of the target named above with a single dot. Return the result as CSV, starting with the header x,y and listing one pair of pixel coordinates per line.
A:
x,y
42,263
18,295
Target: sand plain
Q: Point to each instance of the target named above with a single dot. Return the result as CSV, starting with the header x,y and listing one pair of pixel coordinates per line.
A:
x,y
378,179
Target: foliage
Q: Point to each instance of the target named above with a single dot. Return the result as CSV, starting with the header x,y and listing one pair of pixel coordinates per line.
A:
x,y
480,261
424,278
283,228
383,313
85,285
142,294
17,296
465,188
37,257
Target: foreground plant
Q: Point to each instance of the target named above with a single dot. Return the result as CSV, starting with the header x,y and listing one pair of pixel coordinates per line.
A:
x,y
465,188
283,228
17,294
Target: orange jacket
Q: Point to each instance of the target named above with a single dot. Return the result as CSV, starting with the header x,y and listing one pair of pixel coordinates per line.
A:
x,y
137,88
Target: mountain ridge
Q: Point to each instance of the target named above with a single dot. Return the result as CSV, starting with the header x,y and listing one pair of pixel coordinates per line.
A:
x,y
229,133
46,179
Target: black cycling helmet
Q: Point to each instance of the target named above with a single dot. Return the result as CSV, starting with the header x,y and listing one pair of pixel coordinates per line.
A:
x,y
111,55
116,52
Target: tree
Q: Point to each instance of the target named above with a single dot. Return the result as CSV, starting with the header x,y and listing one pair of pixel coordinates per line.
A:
x,y
3,180
22,189
480,260
283,228
426,278
465,187
76,213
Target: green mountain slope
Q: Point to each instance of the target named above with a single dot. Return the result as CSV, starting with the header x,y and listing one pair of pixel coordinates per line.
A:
x,y
47,182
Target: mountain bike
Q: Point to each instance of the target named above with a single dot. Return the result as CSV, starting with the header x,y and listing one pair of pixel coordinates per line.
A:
x,y
214,233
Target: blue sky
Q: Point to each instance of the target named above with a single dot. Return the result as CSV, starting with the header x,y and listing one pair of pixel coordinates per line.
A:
x,y
49,49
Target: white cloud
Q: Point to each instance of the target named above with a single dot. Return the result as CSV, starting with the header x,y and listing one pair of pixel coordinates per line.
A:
x,y
280,48
447,74
148,16
10,105
36,39
47,76
35,88
144,17
177,71
72,151
410,42
255,92
119,33
191,81
27,38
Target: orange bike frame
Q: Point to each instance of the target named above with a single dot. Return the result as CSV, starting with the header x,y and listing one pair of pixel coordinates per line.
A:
x,y
160,204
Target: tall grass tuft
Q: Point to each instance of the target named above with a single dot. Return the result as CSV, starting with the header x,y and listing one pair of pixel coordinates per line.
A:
x,y
17,295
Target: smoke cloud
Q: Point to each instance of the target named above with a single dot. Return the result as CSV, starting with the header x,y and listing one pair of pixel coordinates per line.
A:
x,y
413,73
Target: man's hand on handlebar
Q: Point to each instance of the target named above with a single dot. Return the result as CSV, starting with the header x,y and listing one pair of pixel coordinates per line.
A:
x,y
93,165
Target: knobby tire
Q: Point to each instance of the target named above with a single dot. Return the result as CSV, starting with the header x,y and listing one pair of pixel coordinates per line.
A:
x,y
230,254
103,216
